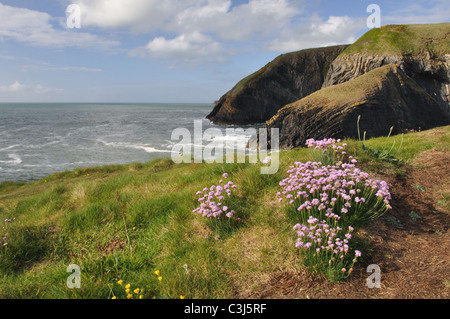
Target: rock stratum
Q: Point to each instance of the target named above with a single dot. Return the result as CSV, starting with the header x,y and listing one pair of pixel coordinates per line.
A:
x,y
394,76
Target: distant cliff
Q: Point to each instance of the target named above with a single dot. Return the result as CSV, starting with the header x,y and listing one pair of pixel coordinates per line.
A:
x,y
383,97
421,51
288,78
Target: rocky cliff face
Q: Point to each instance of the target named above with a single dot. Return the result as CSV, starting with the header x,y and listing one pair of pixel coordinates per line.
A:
x,y
383,97
288,78
421,51
431,74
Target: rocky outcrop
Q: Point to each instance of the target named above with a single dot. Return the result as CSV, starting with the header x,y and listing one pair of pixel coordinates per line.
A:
x,y
421,51
384,97
287,79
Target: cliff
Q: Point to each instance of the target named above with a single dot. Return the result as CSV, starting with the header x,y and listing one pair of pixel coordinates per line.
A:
x,y
421,51
383,97
288,78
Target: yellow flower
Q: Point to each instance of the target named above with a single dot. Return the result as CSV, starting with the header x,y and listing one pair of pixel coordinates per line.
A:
x,y
129,296
136,291
114,297
157,272
134,228
141,296
181,297
127,291
127,286
159,278
120,282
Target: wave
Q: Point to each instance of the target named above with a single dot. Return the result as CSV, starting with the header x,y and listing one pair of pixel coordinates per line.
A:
x,y
144,147
9,147
15,160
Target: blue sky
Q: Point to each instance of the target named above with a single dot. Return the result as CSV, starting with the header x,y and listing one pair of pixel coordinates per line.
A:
x,y
176,51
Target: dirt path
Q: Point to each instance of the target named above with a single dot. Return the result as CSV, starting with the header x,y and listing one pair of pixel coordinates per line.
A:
x,y
411,244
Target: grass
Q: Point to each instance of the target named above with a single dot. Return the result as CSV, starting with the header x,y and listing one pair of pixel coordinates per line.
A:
x,y
414,39
75,218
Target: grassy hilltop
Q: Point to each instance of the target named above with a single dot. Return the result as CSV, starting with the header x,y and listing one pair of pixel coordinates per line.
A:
x,y
135,223
402,40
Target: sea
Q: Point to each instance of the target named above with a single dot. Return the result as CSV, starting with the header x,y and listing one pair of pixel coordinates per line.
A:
x,y
39,139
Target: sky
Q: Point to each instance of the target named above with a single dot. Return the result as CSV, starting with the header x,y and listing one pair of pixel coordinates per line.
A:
x,y
170,51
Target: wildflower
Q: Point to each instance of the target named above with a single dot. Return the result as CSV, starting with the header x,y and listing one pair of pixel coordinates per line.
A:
x,y
157,272
127,286
160,278
211,205
181,297
357,253
225,175
136,291
129,296
120,282
267,160
141,296
114,297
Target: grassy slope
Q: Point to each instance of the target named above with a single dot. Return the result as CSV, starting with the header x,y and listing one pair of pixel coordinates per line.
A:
x,y
414,39
74,218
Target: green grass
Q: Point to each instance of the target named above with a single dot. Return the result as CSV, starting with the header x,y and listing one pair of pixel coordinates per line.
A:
x,y
413,39
75,218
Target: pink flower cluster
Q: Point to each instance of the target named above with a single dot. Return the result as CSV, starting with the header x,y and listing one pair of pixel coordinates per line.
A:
x,y
325,144
211,200
321,237
334,191
328,199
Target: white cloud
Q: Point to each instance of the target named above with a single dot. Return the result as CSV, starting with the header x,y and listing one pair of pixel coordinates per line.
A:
x,y
204,29
242,23
35,28
319,33
18,87
135,15
14,87
183,50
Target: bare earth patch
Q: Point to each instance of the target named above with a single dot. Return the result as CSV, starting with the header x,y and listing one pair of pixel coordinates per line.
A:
x,y
411,244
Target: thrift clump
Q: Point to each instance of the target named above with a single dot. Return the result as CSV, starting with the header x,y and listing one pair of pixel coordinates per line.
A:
x,y
330,201
212,200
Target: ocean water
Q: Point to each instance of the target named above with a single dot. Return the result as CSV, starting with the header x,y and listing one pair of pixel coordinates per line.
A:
x,y
37,140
